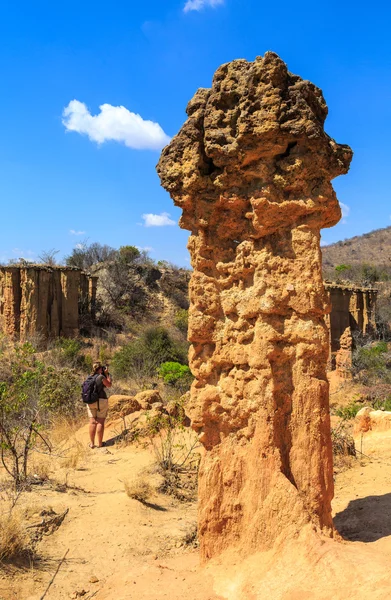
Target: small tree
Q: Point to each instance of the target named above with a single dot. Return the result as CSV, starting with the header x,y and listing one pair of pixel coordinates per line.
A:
x,y
141,359
84,256
128,254
341,268
48,257
28,396
19,421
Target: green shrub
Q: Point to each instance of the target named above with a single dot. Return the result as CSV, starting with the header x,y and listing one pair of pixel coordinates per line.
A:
x,y
29,394
88,362
371,362
382,404
182,320
70,348
140,359
173,373
128,254
348,412
341,268
104,354
59,391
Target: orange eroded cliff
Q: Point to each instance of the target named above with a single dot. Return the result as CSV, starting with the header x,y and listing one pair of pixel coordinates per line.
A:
x,y
44,300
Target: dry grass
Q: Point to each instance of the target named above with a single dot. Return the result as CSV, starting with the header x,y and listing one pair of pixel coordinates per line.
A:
x,y
344,450
63,429
14,541
41,468
139,489
75,456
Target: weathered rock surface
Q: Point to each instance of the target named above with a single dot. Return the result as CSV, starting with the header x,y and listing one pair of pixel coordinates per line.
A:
x,y
251,171
44,300
121,405
343,358
147,398
368,419
351,306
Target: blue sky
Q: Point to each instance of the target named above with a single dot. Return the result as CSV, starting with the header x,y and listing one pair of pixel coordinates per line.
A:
x,y
96,177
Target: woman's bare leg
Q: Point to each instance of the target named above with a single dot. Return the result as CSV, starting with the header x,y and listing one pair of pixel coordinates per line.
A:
x,y
92,431
100,430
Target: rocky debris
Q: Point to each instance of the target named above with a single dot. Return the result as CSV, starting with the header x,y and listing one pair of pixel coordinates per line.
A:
x,y
120,406
44,300
368,419
78,594
143,410
251,171
343,358
147,398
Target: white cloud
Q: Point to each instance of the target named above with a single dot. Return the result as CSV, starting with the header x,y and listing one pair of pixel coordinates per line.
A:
x,y
345,212
200,4
161,220
74,232
345,209
115,123
80,246
145,248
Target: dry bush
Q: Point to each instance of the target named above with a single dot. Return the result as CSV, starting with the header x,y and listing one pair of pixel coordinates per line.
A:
x,y
344,450
64,429
14,541
139,489
75,455
343,442
40,469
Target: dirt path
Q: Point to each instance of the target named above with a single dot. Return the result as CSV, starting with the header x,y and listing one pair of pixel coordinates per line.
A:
x,y
119,549
362,502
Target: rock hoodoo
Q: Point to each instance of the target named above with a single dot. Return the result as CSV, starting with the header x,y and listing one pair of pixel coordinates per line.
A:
x,y
251,171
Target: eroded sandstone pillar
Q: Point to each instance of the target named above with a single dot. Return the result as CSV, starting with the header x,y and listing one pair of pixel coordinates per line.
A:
x,y
9,300
251,171
70,284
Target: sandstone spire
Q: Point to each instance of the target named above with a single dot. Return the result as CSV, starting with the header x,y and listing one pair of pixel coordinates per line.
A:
x,y
251,171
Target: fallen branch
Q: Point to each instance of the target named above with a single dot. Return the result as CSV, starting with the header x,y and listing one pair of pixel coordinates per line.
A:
x,y
55,574
49,526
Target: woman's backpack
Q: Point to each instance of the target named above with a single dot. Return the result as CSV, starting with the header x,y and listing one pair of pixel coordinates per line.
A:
x,y
89,390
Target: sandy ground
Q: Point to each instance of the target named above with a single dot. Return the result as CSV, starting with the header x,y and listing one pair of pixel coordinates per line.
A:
x,y
117,548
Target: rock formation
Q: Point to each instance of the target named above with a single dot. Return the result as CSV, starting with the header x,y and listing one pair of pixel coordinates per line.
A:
x,y
368,419
251,171
351,306
343,358
45,300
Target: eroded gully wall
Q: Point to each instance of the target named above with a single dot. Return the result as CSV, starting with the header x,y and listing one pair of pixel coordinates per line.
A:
x,y
44,300
351,307
251,171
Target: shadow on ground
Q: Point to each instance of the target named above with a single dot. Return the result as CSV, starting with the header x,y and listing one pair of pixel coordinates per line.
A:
x,y
365,519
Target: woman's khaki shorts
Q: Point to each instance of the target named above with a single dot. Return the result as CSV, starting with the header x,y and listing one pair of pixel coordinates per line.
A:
x,y
94,413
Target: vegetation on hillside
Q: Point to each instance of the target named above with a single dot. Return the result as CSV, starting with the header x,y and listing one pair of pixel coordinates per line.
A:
x,y
373,248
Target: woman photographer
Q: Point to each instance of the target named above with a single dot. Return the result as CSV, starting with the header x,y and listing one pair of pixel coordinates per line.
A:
x,y
97,411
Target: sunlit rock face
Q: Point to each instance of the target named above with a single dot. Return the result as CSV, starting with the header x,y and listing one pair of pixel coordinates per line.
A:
x,y
251,170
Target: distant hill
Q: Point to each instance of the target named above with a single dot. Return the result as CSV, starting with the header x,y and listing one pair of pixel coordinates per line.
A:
x,y
373,248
